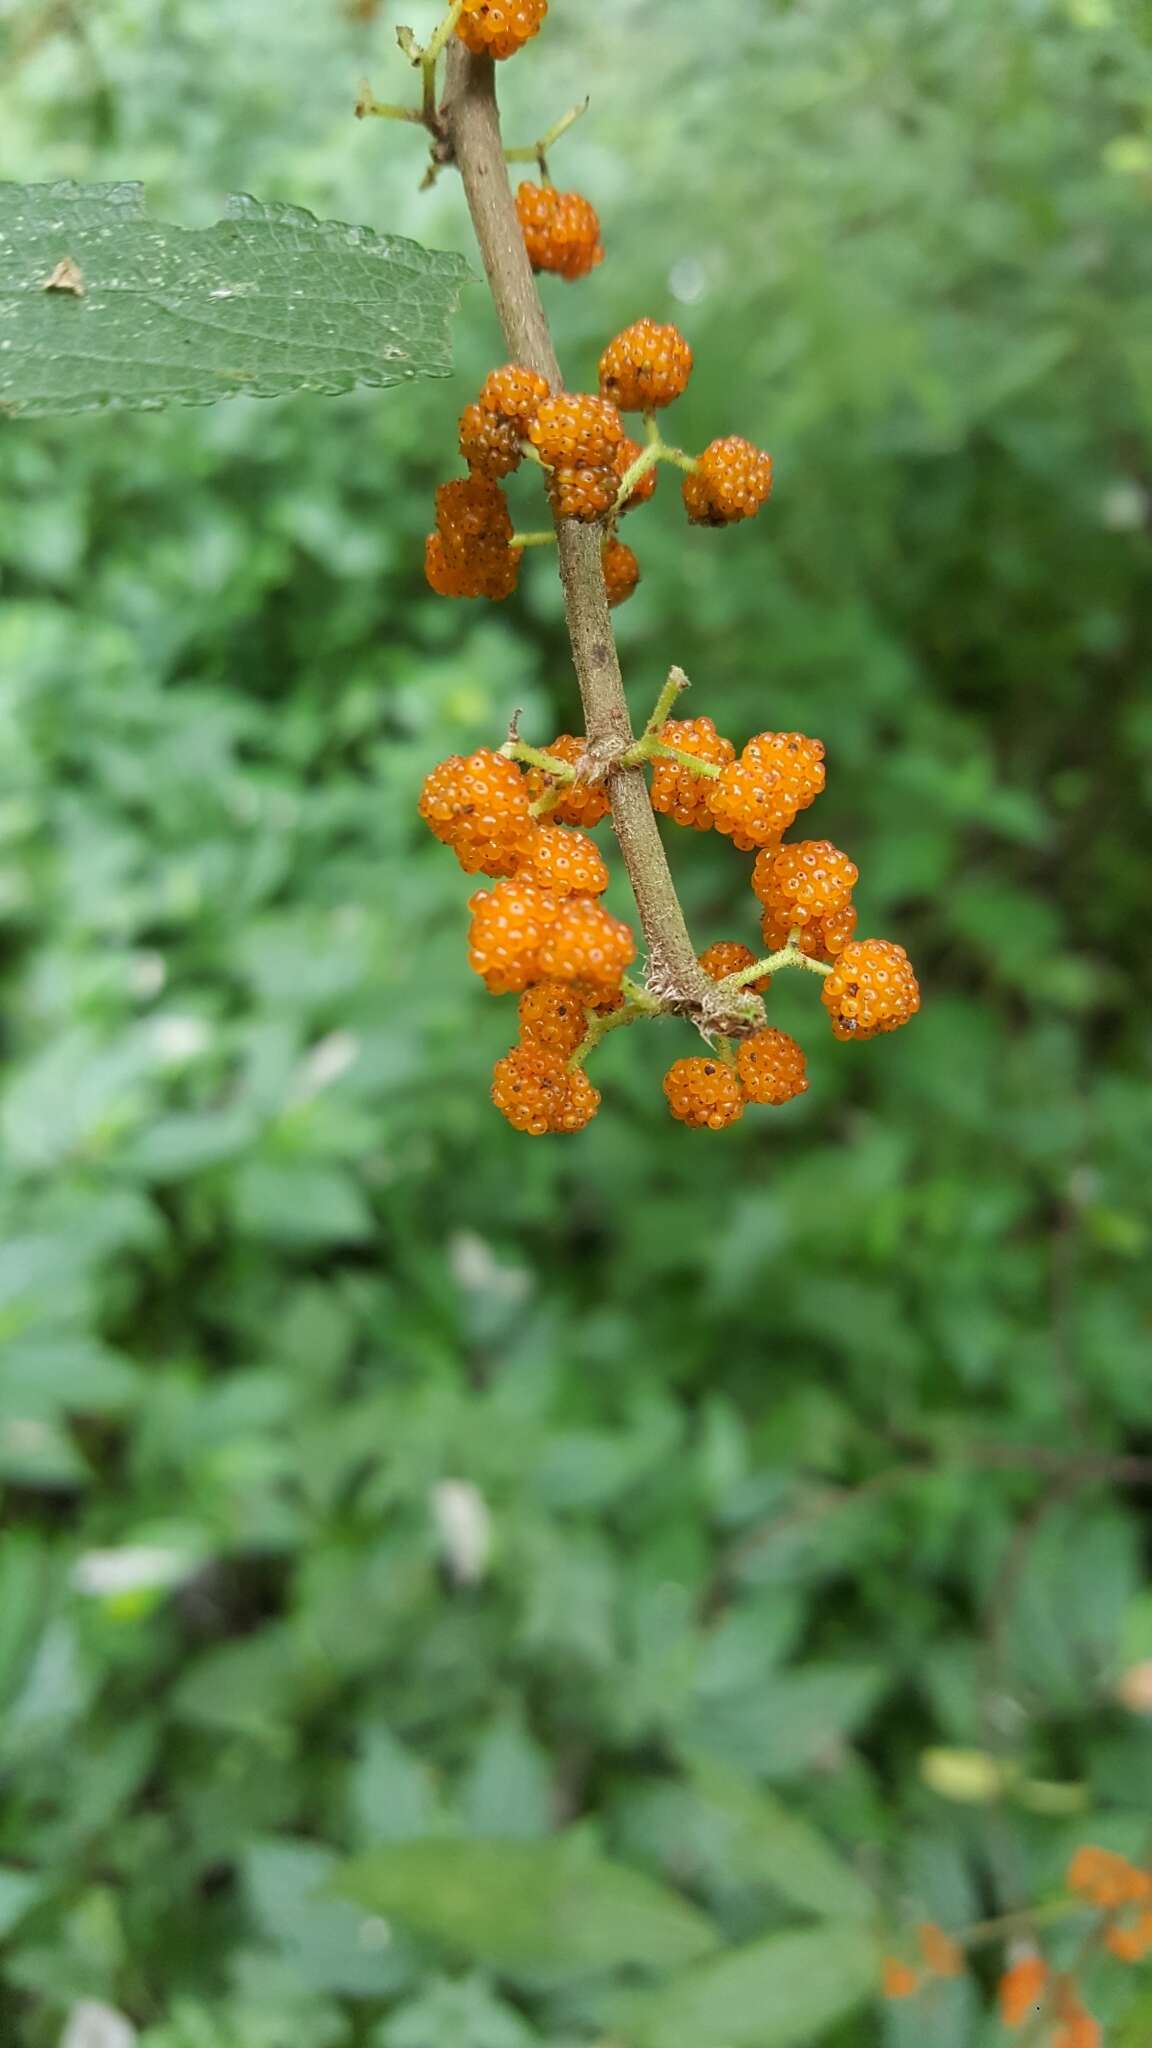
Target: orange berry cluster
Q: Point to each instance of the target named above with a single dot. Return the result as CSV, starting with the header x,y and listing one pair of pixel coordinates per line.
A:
x,y
498,28
561,230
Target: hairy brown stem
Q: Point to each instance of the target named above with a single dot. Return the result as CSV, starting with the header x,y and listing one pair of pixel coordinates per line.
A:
x,y
472,123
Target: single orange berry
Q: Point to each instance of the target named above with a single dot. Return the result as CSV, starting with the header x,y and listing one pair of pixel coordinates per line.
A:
x,y
898,1979
561,230
515,394
872,988
577,429
758,796
538,1093
583,494
621,571
478,804
807,879
1022,1990
772,1067
677,792
727,957
643,488
584,942
509,924
704,1093
489,443
820,939
645,367
498,28
942,1956
579,803
731,481
553,1014
563,861
1131,1941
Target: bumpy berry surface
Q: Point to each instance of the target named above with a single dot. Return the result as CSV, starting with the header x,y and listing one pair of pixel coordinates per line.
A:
x,y
578,430
489,443
731,481
643,489
645,367
580,803
478,804
538,1093
563,861
483,572
584,942
808,879
498,28
621,571
676,792
820,939
514,393
704,1094
470,553
584,494
771,1067
509,924
727,957
553,1014
872,988
561,230
758,796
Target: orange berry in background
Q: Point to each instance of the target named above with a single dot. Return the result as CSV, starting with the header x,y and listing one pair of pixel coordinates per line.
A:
x,y
942,1956
579,803
538,1093
731,481
644,486
563,861
820,939
872,988
498,28
677,792
514,393
758,796
898,1979
509,923
1108,1880
584,942
1022,1990
772,1067
727,957
704,1093
1075,2027
1131,1940
561,230
478,804
646,366
621,572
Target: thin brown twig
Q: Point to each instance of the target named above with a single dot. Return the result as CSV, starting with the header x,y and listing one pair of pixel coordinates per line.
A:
x,y
471,122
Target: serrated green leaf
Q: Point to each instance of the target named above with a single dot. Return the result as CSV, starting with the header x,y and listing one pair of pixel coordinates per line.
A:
x,y
529,1905
102,307
776,1993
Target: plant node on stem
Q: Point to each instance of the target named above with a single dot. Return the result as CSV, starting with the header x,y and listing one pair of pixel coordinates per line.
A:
x,y
471,121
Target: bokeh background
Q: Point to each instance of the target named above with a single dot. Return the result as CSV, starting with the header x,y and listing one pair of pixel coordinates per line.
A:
x,y
370,1474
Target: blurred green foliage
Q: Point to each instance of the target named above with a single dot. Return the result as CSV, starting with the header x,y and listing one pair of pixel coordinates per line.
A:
x,y
698,1517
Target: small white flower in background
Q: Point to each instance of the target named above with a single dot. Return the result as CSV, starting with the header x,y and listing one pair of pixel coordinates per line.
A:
x,y
1134,1688
1125,506
464,1526
147,973
476,1268
135,1568
324,1063
176,1039
92,2025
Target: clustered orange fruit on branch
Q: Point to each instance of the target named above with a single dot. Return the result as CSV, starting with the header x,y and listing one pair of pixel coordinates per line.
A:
x,y
521,815
1030,1992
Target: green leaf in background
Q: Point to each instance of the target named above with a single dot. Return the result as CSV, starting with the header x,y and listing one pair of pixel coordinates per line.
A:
x,y
528,1905
776,1993
774,1846
19,1891
100,306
